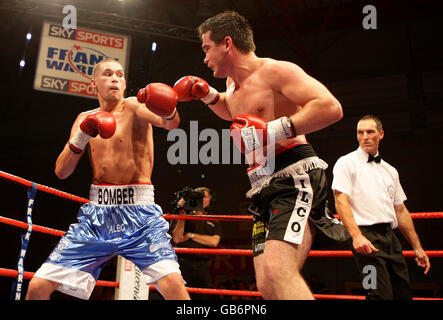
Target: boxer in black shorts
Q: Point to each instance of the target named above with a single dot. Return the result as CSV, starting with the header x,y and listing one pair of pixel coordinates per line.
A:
x,y
284,201
282,102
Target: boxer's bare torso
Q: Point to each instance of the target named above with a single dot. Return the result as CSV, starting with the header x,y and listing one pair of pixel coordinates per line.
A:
x,y
257,96
128,156
269,89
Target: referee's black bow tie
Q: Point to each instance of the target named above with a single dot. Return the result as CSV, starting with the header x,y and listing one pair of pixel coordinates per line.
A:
x,y
377,159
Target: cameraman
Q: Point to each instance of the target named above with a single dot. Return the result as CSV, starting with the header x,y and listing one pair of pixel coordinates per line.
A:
x,y
196,234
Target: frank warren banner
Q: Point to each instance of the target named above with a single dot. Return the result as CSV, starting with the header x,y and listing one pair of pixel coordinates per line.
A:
x,y
67,57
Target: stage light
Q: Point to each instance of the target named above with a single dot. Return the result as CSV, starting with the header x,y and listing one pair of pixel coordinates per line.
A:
x,y
28,36
154,46
22,63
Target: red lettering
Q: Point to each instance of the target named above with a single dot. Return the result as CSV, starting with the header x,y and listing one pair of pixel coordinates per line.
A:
x,y
100,39
82,88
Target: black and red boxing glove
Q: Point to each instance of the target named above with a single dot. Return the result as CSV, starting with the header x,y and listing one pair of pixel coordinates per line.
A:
x,y
159,98
97,123
191,88
250,132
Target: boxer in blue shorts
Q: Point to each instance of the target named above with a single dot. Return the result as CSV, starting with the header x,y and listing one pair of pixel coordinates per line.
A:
x,y
121,217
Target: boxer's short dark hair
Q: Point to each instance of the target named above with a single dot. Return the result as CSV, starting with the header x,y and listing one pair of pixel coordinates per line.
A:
x,y
96,67
232,24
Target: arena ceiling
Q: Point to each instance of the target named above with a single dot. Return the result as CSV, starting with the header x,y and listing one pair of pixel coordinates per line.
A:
x,y
178,18
290,21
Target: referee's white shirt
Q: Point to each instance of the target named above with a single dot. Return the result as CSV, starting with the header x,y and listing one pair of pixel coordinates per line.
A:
x,y
373,188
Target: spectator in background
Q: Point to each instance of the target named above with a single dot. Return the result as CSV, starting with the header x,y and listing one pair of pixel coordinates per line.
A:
x,y
197,234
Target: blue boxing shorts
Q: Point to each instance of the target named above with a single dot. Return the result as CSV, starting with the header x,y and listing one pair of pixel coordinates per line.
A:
x,y
119,220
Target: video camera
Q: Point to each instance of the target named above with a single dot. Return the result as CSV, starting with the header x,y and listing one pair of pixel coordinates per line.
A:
x,y
193,200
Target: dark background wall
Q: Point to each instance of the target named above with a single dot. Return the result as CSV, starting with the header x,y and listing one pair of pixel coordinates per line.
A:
x,y
394,72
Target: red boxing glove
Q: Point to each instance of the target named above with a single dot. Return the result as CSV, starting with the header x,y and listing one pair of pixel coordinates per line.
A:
x,y
99,122
159,98
250,132
189,88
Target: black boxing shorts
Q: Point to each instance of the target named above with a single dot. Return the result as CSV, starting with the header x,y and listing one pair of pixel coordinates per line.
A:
x,y
284,200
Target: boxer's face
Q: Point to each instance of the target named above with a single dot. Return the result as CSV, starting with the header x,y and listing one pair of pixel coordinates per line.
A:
x,y
368,136
110,81
214,55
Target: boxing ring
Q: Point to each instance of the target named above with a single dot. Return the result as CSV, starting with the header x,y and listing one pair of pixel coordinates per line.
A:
x,y
32,187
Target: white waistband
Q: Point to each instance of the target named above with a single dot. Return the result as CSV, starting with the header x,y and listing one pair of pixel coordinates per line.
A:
x,y
262,174
115,195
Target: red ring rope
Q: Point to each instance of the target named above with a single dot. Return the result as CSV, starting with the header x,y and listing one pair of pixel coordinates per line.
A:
x,y
43,188
232,217
241,252
35,227
205,217
113,284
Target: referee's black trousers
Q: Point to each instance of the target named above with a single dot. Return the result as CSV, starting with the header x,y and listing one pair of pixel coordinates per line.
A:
x,y
392,277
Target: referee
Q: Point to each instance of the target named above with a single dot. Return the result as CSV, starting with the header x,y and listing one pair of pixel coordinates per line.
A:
x,y
369,200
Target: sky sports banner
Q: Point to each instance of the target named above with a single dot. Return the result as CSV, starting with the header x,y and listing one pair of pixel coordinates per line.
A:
x,y
67,57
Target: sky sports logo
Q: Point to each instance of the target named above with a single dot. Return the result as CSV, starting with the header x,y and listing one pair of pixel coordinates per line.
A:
x,y
68,55
96,38
71,86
